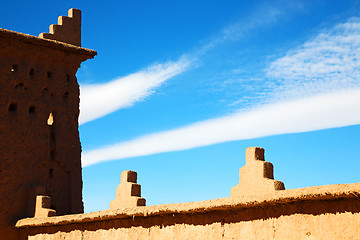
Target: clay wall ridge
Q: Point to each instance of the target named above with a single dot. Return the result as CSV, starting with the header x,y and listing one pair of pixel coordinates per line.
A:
x,y
33,40
310,194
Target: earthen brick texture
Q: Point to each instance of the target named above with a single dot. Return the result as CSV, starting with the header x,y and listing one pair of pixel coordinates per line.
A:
x,y
40,167
39,155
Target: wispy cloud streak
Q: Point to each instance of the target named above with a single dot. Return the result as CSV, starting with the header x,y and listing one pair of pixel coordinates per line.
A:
x,y
270,14
318,112
98,100
328,62
319,86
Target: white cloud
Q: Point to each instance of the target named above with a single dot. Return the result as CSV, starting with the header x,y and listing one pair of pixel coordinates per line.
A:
x,y
270,14
317,82
330,61
318,112
98,100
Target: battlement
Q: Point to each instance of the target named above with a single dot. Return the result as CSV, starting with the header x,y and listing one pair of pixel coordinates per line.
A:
x,y
128,193
68,29
255,210
257,176
42,207
323,212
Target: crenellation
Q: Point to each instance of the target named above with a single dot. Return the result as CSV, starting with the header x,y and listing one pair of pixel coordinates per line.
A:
x,y
42,207
128,193
67,30
257,176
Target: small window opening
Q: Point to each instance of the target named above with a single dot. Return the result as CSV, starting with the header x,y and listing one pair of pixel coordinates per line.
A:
x,y
13,68
50,120
67,77
44,91
49,74
12,107
51,173
31,109
19,85
31,72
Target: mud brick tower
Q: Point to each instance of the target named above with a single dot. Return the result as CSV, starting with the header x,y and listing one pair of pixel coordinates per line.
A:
x,y
39,106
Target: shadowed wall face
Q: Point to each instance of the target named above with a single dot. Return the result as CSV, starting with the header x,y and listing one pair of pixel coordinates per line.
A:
x,y
40,147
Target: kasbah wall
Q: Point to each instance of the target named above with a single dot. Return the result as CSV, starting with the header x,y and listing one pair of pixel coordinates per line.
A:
x,y
40,167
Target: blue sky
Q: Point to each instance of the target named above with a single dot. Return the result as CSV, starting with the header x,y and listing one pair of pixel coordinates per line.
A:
x,y
179,90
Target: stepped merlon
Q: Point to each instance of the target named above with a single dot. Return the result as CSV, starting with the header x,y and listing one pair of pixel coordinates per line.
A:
x,y
42,207
128,193
68,29
257,176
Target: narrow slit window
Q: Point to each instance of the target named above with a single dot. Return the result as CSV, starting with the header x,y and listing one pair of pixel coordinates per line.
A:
x,y
51,173
50,120
52,135
31,72
49,74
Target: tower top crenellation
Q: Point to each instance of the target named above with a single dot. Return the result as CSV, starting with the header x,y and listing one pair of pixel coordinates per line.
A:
x,y
68,29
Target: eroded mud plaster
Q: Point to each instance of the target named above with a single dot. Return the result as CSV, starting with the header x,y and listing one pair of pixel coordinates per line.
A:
x,y
37,80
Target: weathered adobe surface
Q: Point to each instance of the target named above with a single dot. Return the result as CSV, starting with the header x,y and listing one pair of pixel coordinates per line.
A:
x,y
53,44
37,77
325,212
128,193
67,30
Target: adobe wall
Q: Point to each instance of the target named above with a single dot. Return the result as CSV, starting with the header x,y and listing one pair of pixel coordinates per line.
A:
x,y
326,212
40,167
37,79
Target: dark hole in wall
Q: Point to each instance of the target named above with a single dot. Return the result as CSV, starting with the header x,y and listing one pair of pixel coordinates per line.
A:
x,y
52,154
31,72
51,173
52,135
49,74
13,68
31,109
65,95
68,78
44,91
12,107
19,85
